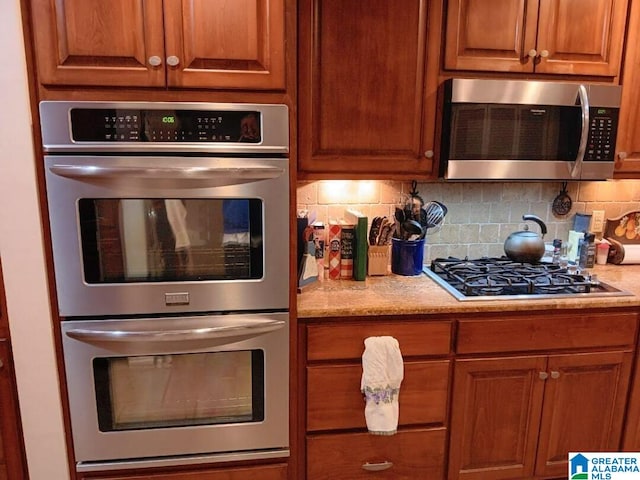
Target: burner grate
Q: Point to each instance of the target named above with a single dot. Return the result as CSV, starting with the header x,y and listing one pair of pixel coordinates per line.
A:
x,y
490,277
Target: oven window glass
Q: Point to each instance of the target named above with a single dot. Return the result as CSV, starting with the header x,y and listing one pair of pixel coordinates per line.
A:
x,y
159,240
514,132
158,391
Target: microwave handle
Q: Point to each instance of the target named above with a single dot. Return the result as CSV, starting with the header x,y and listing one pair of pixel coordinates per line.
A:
x,y
584,134
251,328
168,173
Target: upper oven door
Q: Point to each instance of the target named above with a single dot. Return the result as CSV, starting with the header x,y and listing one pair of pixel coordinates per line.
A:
x,y
157,235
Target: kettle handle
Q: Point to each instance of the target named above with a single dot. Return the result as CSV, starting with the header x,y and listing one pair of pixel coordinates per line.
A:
x,y
538,220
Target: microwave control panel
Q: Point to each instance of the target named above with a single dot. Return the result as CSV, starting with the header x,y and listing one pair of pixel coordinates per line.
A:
x,y
603,128
128,125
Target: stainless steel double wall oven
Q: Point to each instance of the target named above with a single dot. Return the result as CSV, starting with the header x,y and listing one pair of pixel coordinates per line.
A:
x,y
169,228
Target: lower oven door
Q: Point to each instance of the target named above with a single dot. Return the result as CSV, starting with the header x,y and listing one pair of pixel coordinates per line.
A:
x,y
181,390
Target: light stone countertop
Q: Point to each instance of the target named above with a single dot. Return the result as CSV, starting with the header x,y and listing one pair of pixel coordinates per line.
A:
x,y
400,295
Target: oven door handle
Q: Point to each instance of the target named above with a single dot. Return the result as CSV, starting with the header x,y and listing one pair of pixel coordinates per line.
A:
x,y
255,327
167,173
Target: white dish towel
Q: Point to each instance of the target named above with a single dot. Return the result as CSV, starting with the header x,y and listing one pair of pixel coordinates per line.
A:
x,y
382,374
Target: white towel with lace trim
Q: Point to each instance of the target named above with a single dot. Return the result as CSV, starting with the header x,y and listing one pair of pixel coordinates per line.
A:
x,y
382,374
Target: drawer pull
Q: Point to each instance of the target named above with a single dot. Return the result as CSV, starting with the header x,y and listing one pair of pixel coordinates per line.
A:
x,y
377,467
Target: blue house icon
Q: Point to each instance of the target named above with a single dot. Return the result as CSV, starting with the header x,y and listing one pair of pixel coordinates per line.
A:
x,y
579,464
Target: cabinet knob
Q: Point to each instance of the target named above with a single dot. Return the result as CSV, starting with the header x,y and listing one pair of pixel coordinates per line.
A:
x,y
1,363
155,60
377,467
428,154
172,61
544,53
532,53
622,155
543,375
555,374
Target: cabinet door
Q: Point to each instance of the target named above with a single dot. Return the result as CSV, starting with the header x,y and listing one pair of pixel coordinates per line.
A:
x,y
366,108
93,42
584,402
581,37
495,416
225,43
628,141
496,38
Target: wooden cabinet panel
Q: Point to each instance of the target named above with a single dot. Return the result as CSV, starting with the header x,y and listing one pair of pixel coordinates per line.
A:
x,y
519,417
631,436
515,334
92,42
496,38
413,455
154,43
263,472
365,104
346,341
496,408
229,44
628,141
584,403
334,399
582,37
569,37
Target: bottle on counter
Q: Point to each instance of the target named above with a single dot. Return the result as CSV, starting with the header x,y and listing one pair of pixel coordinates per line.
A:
x,y
587,258
557,245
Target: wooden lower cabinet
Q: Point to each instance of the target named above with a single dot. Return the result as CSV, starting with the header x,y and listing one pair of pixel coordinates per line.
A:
x,y
520,416
261,472
408,455
338,445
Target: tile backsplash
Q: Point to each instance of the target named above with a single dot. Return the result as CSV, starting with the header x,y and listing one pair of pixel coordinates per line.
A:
x,y
480,215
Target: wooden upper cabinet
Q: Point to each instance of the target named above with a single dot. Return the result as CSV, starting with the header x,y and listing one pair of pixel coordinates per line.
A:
x,y
498,38
628,140
91,42
569,37
367,87
226,43
150,43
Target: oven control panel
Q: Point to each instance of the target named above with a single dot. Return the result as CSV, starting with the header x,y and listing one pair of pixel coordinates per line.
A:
x,y
150,125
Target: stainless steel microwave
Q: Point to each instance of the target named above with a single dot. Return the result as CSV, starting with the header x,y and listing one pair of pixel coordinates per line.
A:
x,y
528,130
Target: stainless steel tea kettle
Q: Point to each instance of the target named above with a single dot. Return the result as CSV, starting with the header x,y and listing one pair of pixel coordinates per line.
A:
x,y
525,245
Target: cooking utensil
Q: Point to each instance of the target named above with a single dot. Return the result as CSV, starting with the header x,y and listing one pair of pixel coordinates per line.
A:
x,y
400,218
415,203
562,203
526,246
434,214
411,228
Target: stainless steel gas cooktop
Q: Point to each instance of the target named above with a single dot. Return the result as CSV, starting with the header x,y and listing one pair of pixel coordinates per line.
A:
x,y
502,279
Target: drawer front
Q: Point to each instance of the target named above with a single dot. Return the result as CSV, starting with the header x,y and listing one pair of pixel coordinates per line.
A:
x,y
262,472
334,399
346,341
517,334
410,455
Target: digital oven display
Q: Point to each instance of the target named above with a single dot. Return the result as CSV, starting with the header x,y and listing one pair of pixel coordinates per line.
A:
x,y
127,125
